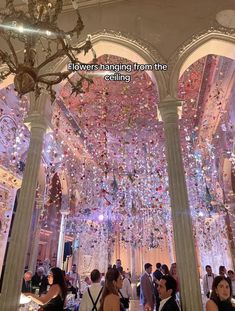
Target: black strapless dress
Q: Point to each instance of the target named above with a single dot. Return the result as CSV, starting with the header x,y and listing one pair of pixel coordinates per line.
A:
x,y
55,304
225,306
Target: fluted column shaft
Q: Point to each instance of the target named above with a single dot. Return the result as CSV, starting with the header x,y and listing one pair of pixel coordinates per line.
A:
x,y
60,251
20,233
181,217
19,240
36,237
133,263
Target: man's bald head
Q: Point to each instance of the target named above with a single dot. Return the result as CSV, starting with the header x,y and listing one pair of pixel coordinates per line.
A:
x,y
28,276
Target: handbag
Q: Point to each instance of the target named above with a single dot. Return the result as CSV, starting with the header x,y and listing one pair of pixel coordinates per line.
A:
x,y
124,301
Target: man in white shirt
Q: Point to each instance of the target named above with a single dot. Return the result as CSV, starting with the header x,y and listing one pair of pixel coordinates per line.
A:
x,y
91,297
207,281
167,289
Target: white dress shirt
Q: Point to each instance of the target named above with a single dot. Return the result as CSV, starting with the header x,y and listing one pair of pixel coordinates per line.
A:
x,y
162,302
86,303
207,282
126,288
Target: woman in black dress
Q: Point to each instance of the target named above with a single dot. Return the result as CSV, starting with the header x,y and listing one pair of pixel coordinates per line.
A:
x,y
55,298
220,299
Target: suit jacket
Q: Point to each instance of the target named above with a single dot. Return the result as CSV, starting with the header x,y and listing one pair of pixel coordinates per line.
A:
x,y
170,305
146,290
157,274
40,282
26,287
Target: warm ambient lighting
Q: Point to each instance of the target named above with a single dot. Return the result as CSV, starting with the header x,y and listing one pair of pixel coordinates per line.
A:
x,y
36,44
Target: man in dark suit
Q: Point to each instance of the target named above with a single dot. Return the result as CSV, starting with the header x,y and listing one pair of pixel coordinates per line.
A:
x,y
167,289
27,285
39,280
157,274
146,287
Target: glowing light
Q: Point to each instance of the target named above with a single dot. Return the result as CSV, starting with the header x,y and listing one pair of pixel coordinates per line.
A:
x,y
21,28
101,217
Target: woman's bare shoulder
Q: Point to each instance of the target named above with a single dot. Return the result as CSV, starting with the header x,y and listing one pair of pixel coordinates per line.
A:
x,y
211,306
112,303
112,297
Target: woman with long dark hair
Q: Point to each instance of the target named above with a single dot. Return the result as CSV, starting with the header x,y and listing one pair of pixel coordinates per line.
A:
x,y
220,299
55,298
110,300
165,270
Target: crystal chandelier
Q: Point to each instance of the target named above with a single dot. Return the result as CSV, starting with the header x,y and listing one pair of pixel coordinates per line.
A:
x,y
35,44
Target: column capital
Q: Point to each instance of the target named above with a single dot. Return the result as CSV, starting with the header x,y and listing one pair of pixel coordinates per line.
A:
x,y
40,111
170,109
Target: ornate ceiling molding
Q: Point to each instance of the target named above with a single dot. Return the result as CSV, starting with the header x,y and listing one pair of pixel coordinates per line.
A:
x,y
191,50
140,48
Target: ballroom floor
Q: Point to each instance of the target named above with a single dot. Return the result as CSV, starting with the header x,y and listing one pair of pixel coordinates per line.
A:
x,y
135,305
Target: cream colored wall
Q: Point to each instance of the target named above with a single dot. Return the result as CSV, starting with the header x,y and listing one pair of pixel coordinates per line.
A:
x,y
142,256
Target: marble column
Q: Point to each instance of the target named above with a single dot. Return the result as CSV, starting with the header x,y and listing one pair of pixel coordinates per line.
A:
x,y
18,246
60,251
170,242
181,217
133,264
36,236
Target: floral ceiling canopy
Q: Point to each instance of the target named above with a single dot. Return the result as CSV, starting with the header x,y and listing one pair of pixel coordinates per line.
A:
x,y
109,143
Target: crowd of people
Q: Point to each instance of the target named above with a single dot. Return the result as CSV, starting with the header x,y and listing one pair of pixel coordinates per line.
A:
x,y
111,291
159,290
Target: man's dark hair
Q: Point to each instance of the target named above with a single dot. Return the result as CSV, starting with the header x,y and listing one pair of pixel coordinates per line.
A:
x,y
74,265
158,265
147,265
208,266
170,284
221,269
95,275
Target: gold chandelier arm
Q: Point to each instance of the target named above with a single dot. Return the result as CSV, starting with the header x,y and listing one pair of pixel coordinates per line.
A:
x,y
66,49
5,59
85,47
60,76
78,28
3,75
59,53
8,41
